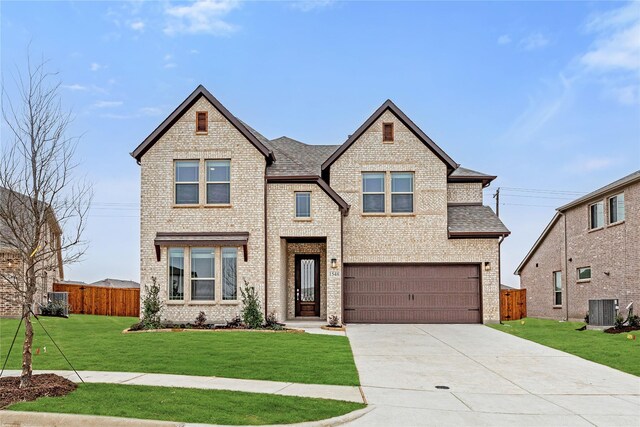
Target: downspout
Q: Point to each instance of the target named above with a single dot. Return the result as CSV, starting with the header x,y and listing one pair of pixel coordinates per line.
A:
x,y
500,240
341,267
266,258
566,266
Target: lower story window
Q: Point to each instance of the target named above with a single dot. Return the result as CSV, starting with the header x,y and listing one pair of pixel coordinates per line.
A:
x,y
203,274
557,288
229,274
176,274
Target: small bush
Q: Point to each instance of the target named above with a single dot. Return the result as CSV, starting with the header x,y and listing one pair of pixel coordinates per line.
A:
x,y
137,327
151,306
201,320
53,308
633,321
271,322
251,313
619,322
235,322
334,321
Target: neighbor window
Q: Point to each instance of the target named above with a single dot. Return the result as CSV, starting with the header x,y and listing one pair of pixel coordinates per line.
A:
x,y
218,182
202,125
557,288
303,205
229,273
596,215
187,182
202,274
584,273
387,132
176,274
616,208
373,192
401,192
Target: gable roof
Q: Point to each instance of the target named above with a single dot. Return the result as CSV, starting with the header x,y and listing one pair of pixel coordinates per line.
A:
x,y
389,105
467,175
540,239
479,221
622,182
297,158
183,107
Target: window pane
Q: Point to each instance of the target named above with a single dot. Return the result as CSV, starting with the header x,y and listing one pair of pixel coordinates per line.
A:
x,y
229,274
303,205
616,208
584,273
557,281
218,170
186,193
187,171
373,182
402,203
218,193
373,203
176,274
597,215
202,263
401,182
202,290
558,298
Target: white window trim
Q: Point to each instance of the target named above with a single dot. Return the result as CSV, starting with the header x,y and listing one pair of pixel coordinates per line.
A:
x,y
222,300
578,274
383,192
601,202
556,291
176,183
214,278
413,204
184,276
624,208
206,182
295,207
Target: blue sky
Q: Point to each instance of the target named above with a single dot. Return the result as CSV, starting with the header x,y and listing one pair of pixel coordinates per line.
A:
x,y
545,95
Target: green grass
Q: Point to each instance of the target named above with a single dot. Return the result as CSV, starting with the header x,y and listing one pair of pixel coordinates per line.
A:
x,y
613,350
97,343
189,405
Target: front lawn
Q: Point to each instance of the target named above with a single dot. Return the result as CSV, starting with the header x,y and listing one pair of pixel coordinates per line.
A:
x,y
613,350
189,405
97,343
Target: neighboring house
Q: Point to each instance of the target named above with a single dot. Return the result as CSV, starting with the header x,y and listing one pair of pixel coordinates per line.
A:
x,y
115,283
589,250
383,228
11,263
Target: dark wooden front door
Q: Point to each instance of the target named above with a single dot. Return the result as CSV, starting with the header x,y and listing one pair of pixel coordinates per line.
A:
x,y
307,285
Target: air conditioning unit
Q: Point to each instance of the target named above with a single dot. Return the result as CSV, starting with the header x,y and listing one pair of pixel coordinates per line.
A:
x,y
60,297
602,312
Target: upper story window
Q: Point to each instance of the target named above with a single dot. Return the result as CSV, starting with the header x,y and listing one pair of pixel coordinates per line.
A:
x,y
616,208
584,273
373,192
187,182
176,274
387,132
303,205
202,122
401,192
218,182
596,215
203,274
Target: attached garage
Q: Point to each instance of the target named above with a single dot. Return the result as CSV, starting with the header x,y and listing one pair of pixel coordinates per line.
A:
x,y
412,293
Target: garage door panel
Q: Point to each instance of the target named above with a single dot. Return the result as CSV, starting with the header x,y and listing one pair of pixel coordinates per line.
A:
x,y
412,293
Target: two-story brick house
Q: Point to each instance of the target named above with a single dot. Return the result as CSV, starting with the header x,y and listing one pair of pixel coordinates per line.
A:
x,y
383,228
589,250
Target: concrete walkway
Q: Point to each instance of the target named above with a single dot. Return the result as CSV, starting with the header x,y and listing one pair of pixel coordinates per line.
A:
x,y
336,392
491,379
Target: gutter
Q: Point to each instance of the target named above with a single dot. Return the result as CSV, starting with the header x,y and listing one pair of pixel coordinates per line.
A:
x,y
266,251
500,279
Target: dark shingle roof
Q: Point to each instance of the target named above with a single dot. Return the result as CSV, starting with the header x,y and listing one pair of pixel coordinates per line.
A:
x,y
115,283
468,173
297,158
635,176
474,220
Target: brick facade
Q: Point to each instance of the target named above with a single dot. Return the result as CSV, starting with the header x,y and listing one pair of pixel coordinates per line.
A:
x,y
613,249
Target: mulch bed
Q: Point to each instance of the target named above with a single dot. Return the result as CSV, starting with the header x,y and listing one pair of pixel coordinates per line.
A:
x,y
622,330
48,385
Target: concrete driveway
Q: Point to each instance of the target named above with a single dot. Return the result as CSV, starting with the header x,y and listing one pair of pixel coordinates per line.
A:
x,y
493,379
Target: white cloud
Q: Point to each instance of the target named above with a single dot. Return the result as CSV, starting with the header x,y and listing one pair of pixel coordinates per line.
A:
x,y
75,87
170,65
591,164
137,25
150,111
95,66
504,39
107,104
168,57
534,41
201,17
309,5
141,112
194,51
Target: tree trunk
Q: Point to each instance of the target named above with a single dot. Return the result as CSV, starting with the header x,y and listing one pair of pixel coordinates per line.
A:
x,y
25,377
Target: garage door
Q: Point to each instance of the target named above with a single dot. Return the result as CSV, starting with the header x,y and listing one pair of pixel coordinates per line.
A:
x,y
412,293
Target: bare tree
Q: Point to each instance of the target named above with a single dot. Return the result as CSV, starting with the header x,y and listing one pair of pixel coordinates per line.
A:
x,y
43,204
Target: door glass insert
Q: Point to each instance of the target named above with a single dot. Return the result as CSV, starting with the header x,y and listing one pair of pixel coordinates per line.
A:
x,y
307,278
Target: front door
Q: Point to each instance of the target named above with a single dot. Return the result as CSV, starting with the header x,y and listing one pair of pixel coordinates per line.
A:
x,y
307,285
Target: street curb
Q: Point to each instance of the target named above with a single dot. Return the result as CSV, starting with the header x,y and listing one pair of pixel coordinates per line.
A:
x,y
48,419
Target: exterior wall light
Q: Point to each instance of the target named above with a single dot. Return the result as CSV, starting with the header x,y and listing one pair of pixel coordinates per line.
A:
x,y
334,263
487,266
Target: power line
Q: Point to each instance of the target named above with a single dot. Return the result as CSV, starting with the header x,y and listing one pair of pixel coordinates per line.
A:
x,y
538,190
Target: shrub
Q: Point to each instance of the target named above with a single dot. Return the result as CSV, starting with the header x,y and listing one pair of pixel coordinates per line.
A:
x,y
271,322
633,320
251,313
334,321
235,322
201,320
137,326
151,306
619,322
53,308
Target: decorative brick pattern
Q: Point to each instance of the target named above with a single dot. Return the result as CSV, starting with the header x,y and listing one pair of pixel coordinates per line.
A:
x,y
614,249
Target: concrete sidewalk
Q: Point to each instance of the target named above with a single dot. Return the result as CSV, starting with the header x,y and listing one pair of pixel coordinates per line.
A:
x,y
336,392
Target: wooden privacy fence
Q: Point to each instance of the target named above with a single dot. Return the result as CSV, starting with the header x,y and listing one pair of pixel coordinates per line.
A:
x,y
513,304
101,300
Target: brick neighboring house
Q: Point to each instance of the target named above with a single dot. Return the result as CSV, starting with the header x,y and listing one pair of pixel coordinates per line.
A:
x,y
589,250
383,228
10,263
